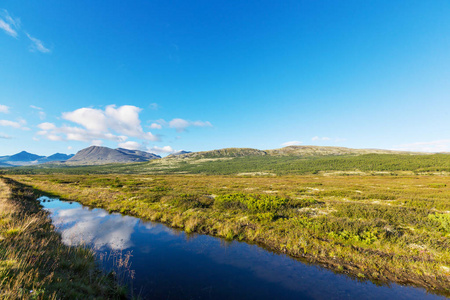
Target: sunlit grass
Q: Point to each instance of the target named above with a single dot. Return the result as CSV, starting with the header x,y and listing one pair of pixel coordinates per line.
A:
x,y
384,228
34,264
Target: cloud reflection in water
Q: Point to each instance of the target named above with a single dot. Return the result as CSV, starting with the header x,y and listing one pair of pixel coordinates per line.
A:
x,y
95,227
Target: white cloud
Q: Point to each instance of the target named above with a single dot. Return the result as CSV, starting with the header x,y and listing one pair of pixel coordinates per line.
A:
x,y
113,123
69,147
181,124
75,134
160,150
91,119
83,135
131,145
37,45
19,125
8,24
4,109
291,143
7,28
42,114
96,143
153,106
201,124
11,27
433,146
54,137
5,136
123,120
155,126
47,126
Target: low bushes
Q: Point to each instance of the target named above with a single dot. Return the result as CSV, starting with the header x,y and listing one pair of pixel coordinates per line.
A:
x,y
251,202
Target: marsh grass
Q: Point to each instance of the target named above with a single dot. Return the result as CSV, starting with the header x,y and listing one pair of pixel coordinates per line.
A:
x,y
34,264
380,228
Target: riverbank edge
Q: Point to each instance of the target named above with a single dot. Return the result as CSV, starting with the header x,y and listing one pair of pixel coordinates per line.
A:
x,y
358,263
35,264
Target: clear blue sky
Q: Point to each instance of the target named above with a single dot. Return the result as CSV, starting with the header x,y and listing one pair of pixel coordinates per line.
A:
x,y
201,75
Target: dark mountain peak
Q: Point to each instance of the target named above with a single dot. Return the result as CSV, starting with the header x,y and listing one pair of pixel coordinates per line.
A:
x,y
138,153
59,156
24,156
95,155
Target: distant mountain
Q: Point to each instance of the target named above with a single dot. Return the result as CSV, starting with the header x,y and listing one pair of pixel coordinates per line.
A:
x,y
96,155
286,151
24,156
328,150
57,157
26,159
226,152
139,153
178,153
4,165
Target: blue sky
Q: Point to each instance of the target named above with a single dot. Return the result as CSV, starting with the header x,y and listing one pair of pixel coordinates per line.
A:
x,y
199,75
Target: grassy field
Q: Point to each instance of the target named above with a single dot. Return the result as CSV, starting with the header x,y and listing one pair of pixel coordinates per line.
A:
x,y
391,164
382,228
34,264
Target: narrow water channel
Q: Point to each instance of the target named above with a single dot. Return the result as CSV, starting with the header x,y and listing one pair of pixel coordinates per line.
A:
x,y
169,264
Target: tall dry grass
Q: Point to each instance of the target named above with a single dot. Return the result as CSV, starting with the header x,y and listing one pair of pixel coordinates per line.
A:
x,y
34,264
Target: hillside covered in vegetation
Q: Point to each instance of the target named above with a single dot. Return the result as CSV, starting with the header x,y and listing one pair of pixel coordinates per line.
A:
x,y
263,164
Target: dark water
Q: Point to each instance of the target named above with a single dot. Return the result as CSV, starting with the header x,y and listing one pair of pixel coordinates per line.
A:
x,y
170,264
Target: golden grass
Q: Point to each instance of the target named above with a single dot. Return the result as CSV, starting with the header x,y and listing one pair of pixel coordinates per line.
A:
x,y
383,228
34,264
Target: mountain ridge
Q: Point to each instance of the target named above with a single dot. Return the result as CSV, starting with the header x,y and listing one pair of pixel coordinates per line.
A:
x,y
287,151
25,158
96,155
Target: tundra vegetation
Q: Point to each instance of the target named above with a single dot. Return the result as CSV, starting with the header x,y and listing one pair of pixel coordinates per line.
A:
x,y
35,264
393,164
378,227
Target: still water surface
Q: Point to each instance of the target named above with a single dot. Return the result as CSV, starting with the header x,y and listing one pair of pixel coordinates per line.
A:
x,y
169,264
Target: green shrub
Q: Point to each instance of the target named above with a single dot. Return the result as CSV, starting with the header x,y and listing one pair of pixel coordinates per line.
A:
x,y
251,202
442,220
300,203
189,201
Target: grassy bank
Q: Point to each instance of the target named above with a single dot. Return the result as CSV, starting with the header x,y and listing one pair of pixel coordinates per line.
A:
x,y
34,264
383,228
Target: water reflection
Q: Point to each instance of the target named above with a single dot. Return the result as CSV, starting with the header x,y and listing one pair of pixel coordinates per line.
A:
x,y
171,264
96,227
